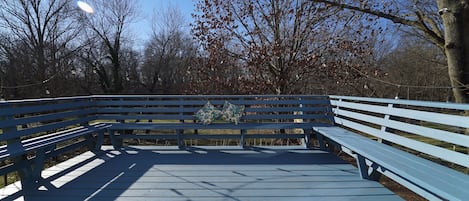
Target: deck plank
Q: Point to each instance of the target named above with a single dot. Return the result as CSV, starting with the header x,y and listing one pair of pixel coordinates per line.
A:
x,y
203,173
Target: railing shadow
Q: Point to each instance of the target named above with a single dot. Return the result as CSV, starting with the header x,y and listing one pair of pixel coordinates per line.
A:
x,y
109,175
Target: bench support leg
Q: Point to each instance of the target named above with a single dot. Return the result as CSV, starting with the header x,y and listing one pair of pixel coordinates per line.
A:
x,y
242,141
25,173
116,143
362,167
365,171
180,138
39,164
322,144
99,141
374,175
94,143
31,173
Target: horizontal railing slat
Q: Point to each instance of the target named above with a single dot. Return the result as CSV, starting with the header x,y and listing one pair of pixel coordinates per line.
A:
x,y
455,106
447,119
109,110
455,138
46,117
284,116
195,109
200,103
144,117
18,109
271,117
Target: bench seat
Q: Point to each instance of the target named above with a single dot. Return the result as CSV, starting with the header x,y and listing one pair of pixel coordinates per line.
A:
x,y
52,139
43,147
440,180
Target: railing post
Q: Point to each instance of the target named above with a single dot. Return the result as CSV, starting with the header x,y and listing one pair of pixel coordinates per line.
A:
x,y
100,138
307,137
242,140
180,132
306,132
335,111
384,129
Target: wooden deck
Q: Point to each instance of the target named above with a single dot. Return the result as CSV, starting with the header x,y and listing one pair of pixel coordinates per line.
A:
x,y
203,173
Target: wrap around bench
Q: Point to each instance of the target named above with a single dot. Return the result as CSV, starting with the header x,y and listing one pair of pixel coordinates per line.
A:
x,y
407,124
403,140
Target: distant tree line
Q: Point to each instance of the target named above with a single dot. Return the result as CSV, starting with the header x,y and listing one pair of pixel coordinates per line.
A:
x,y
51,48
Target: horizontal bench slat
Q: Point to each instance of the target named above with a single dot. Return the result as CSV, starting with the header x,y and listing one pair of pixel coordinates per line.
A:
x,y
49,139
59,138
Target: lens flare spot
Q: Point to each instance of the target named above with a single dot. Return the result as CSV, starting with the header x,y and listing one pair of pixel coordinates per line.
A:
x,y
85,6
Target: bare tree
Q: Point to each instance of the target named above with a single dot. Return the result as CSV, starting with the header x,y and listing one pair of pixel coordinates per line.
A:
x,y
167,53
448,32
108,27
41,35
413,70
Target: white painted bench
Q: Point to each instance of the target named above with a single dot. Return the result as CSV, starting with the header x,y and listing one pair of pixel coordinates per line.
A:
x,y
397,125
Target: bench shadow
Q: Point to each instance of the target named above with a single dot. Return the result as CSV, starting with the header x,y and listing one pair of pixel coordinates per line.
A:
x,y
110,173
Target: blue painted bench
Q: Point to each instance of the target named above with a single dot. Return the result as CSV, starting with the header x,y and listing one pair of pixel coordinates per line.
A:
x,y
435,131
34,130
403,140
282,114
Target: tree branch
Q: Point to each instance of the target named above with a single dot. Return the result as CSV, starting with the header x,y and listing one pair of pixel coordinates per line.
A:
x,y
432,35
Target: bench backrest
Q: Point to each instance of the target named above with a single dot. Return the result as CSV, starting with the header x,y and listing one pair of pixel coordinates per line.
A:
x,y
178,108
437,130
20,120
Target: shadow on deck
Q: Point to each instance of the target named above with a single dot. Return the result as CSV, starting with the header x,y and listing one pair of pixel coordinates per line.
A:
x,y
203,173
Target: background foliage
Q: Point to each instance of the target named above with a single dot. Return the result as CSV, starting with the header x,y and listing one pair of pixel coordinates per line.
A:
x,y
50,48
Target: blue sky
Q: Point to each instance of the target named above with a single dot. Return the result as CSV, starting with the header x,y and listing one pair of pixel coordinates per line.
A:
x,y
142,28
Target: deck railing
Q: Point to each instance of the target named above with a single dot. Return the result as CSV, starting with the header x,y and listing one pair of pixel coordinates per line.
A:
x,y
32,130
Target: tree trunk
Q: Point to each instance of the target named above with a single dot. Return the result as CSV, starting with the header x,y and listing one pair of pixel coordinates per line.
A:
x,y
455,15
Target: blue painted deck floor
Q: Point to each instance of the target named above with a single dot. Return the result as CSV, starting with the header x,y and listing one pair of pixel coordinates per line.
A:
x,y
203,173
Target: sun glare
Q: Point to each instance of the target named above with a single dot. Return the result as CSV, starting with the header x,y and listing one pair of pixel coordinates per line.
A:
x,y
85,6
